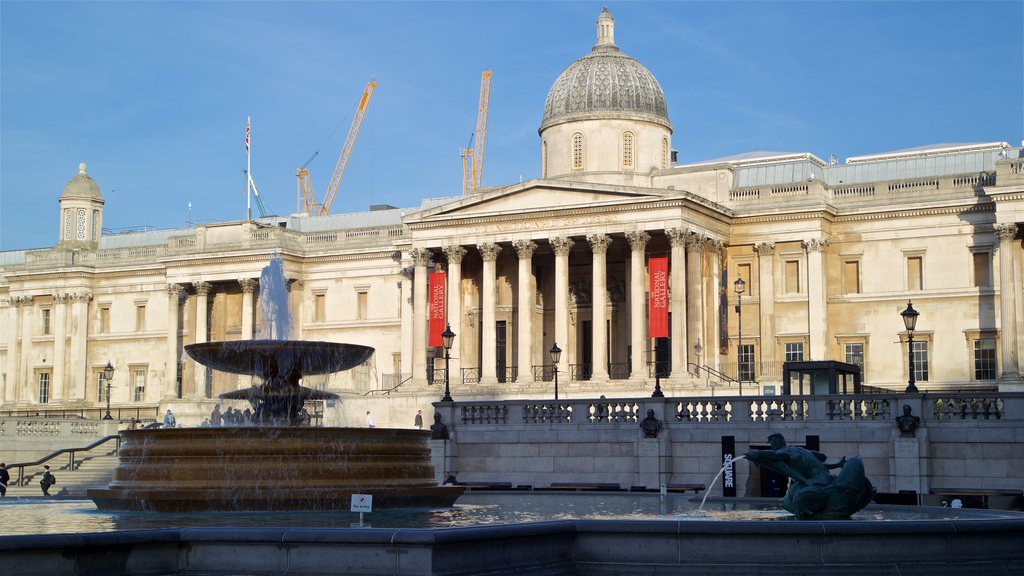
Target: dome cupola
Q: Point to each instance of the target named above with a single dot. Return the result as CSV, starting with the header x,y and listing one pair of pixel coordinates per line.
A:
x,y
81,212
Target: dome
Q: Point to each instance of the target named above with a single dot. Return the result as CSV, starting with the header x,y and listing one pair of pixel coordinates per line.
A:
x,y
81,186
605,84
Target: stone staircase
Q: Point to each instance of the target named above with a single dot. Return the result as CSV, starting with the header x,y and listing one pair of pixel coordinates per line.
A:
x,y
91,471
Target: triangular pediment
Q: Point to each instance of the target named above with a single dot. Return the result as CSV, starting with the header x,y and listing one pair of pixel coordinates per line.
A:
x,y
535,197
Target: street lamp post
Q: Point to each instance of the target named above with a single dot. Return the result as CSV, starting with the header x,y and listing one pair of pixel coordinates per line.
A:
x,y
739,286
657,376
556,354
910,323
446,338
108,376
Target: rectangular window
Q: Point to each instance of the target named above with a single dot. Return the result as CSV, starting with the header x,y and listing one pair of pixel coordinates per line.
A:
x,y
361,305
101,387
854,354
851,277
104,319
177,380
984,359
44,387
746,365
138,384
361,374
792,276
743,271
982,268
915,280
140,317
319,310
46,321
920,361
794,352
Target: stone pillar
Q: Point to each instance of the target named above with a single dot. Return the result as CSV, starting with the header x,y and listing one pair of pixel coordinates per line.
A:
x,y
766,297
599,299
713,323
488,302
455,253
1008,330
174,292
677,301
695,299
420,259
248,311
59,384
202,328
562,246
25,370
13,325
817,318
525,299
78,362
406,272
638,243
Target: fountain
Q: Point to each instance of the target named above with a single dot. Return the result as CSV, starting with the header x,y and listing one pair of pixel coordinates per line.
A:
x,y
273,463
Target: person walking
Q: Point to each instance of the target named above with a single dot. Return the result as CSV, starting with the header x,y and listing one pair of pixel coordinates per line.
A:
x,y
369,419
47,481
419,420
5,479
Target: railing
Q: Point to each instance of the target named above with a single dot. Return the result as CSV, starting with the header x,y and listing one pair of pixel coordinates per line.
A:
x,y
390,383
543,372
508,374
71,452
579,372
436,375
655,369
618,370
711,372
116,413
471,375
968,407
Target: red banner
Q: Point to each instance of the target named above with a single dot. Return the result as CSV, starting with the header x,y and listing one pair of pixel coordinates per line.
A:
x,y
657,306
437,314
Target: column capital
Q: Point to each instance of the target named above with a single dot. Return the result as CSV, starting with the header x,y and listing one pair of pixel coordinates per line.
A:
x,y
765,248
561,245
80,296
712,245
202,288
695,241
62,298
677,236
815,244
248,285
175,290
420,256
1005,231
489,251
599,243
454,254
638,239
524,248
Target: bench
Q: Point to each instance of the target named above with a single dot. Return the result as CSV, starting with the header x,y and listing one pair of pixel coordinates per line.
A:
x,y
977,496
581,486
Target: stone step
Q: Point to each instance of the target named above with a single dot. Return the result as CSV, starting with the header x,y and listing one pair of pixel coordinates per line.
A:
x,y
94,471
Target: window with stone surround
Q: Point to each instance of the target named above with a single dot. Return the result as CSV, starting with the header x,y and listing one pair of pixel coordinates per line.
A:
x,y
319,306
101,385
981,266
921,361
544,159
43,381
577,151
140,317
104,319
746,361
851,276
983,350
791,277
915,271
627,150
794,351
361,303
45,318
665,156
138,383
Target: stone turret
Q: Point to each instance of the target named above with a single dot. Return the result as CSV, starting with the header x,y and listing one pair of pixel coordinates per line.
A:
x,y
81,212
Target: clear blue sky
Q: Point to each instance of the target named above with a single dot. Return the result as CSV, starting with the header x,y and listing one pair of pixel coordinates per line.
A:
x,y
154,95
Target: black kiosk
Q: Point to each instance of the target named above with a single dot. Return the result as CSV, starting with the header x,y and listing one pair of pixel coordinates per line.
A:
x,y
820,377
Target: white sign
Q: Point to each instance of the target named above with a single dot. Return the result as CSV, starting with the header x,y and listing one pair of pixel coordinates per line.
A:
x,y
362,503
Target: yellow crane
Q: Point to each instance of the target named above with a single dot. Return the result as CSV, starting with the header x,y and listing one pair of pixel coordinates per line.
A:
x,y
306,199
473,157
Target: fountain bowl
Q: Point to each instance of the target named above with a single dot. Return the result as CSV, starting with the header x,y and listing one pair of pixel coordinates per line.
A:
x,y
279,358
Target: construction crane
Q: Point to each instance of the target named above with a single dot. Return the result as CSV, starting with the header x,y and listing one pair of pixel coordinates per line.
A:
x,y
264,212
473,155
306,201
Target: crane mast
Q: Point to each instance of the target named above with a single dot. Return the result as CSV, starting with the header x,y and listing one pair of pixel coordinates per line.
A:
x,y
306,198
473,157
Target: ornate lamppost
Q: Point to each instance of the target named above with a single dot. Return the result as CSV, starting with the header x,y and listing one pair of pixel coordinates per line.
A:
x,y
108,377
556,354
910,323
739,286
446,338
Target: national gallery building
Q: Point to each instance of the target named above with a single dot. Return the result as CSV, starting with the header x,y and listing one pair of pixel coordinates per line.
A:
x,y
704,276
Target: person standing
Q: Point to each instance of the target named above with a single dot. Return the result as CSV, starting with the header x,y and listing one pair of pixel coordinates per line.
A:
x,y
216,418
369,419
169,421
5,479
47,481
419,420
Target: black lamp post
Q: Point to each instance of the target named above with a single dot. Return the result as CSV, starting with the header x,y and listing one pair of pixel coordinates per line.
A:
x,y
910,322
556,354
739,286
657,377
446,338
108,376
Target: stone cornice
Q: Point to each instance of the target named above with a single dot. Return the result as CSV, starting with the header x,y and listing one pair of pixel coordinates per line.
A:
x,y
911,213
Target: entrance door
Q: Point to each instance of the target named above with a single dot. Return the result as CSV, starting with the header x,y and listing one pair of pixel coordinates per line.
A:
x,y
587,358
500,354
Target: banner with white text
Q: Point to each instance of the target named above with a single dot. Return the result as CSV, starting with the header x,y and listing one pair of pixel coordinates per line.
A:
x,y
438,283
657,269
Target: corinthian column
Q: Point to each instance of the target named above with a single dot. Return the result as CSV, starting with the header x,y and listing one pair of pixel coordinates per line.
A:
x,y
488,356
170,388
78,365
420,258
1008,290
599,311
638,244
60,387
817,318
248,288
695,300
766,297
677,300
202,329
524,295
25,370
454,253
13,324
561,246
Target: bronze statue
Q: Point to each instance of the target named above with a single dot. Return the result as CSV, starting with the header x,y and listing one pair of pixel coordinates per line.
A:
x,y
907,423
650,425
438,430
814,493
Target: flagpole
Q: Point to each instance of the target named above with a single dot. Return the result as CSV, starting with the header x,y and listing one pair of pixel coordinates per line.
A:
x,y
248,172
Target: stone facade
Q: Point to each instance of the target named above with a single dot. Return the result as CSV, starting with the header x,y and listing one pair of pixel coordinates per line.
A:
x,y
830,254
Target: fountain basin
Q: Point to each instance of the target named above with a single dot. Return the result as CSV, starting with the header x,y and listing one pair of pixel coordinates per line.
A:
x,y
273,358
272,468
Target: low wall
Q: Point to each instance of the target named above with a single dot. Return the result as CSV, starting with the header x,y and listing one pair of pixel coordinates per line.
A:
x,y
24,439
962,440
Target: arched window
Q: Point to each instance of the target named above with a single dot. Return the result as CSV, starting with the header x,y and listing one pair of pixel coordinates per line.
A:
x,y
577,151
664,154
627,150
81,224
68,225
95,222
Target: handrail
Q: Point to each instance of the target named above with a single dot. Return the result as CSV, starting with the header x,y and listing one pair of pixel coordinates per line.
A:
x,y
71,464
118,413
714,373
387,391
